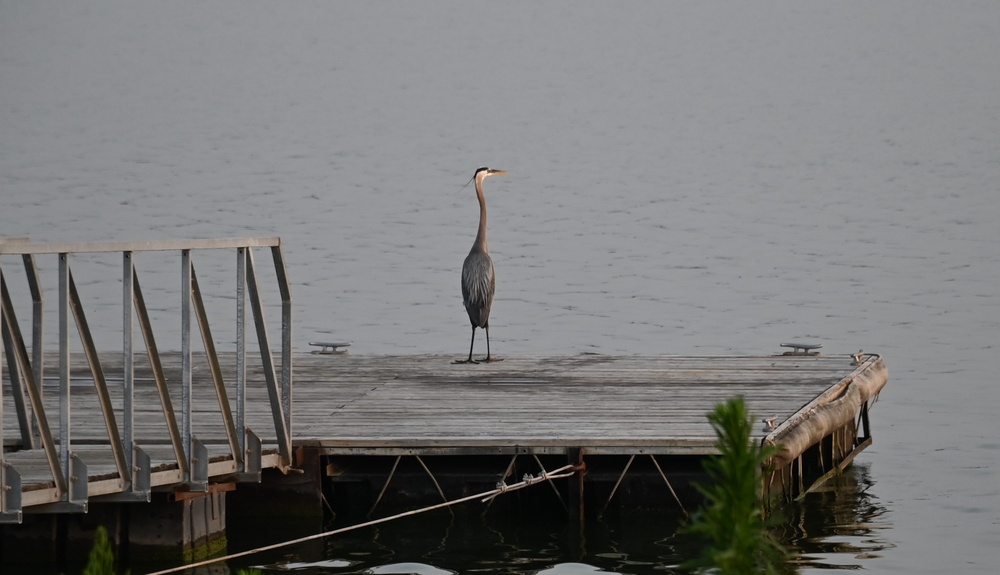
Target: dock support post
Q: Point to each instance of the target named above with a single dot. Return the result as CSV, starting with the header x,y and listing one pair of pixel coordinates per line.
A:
x,y
180,527
867,424
186,376
241,355
128,367
801,485
576,506
64,384
286,503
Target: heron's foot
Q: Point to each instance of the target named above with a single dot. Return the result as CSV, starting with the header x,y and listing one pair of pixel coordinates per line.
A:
x,y
492,359
461,361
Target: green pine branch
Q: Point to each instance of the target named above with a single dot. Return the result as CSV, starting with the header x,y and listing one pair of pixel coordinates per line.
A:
x,y
731,522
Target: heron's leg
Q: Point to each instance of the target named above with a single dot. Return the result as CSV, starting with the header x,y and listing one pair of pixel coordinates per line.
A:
x,y
488,358
472,344
487,328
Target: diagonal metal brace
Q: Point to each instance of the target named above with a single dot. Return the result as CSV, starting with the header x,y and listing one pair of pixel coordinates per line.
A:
x,y
617,483
662,475
392,473
553,485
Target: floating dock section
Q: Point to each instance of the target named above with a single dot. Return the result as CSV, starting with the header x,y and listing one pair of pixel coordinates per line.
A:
x,y
352,414
602,411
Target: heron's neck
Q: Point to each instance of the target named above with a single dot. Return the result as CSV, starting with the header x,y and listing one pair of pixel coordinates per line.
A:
x,y
481,235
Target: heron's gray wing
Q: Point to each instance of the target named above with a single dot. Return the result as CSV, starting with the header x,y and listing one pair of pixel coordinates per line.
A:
x,y
478,285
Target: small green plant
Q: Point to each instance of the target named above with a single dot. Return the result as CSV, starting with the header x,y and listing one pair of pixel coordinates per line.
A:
x,y
102,557
731,521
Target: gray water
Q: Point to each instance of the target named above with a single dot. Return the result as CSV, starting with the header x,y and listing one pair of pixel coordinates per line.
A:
x,y
685,178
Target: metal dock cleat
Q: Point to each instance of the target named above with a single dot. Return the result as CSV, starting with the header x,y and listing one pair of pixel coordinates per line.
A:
x,y
802,348
329,348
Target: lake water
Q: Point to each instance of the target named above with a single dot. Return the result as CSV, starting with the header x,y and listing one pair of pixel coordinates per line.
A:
x,y
685,178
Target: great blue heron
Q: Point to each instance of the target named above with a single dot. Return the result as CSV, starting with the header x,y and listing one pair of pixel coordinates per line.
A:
x,y
478,280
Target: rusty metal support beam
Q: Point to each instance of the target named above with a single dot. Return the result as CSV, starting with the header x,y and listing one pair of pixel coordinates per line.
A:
x,y
576,488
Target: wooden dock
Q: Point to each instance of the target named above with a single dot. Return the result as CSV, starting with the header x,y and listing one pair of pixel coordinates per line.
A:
x,y
394,432
603,404
170,434
426,405
602,411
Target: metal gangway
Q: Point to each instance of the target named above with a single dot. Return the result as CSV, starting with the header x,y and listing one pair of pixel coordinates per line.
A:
x,y
42,468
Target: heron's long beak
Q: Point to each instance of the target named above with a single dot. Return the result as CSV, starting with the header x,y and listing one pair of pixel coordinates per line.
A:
x,y
497,172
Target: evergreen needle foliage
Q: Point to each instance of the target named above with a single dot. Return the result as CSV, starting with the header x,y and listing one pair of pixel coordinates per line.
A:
x,y
731,521
102,557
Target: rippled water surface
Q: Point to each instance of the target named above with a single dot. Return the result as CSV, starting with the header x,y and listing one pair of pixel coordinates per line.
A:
x,y
685,178
841,527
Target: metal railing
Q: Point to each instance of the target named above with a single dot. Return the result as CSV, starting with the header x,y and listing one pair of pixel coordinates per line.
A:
x,y
26,371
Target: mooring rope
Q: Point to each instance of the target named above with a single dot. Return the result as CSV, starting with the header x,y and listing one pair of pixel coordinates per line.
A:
x,y
502,487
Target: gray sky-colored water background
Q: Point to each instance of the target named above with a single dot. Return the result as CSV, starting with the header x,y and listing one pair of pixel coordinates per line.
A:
x,y
685,178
